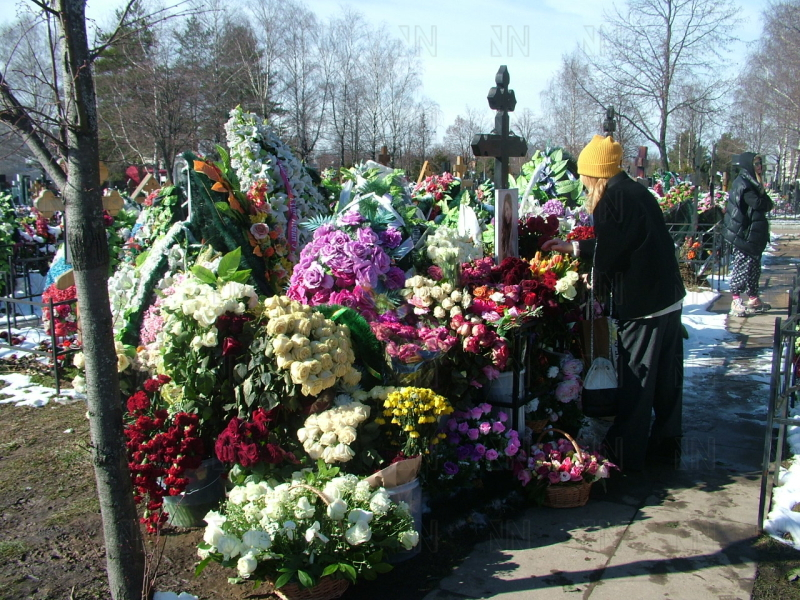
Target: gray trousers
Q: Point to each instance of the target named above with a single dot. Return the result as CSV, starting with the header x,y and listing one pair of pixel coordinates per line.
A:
x,y
651,380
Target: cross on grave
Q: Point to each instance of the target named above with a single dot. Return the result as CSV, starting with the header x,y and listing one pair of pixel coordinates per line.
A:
x,y
460,171
384,156
425,171
501,143
610,124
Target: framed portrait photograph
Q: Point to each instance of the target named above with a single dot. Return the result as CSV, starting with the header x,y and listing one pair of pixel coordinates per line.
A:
x,y
506,223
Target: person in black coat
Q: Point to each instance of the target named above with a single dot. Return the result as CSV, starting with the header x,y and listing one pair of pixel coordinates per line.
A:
x,y
634,252
746,228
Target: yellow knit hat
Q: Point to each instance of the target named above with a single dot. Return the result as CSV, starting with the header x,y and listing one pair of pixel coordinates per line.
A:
x,y
600,158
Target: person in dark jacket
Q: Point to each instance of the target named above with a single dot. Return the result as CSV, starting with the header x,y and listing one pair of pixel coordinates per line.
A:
x,y
635,253
746,228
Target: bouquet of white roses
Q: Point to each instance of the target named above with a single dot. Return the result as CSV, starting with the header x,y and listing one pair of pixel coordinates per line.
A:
x,y
316,525
328,435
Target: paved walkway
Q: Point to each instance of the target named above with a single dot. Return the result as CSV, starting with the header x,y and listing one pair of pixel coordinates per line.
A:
x,y
681,534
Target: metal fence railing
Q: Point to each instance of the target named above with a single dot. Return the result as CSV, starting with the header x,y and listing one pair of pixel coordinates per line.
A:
x,y
703,254
783,390
21,293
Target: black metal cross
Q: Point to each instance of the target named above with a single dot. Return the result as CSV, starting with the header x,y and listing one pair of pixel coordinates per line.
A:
x,y
501,143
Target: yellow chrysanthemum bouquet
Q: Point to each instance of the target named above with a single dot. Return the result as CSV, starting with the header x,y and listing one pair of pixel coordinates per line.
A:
x,y
410,419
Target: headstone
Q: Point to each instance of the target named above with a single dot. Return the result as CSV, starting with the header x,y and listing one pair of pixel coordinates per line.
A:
x,y
384,157
641,162
47,203
113,202
103,172
501,143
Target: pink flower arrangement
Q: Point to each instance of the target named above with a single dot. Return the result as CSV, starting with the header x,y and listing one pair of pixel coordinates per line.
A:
x,y
347,265
558,463
411,344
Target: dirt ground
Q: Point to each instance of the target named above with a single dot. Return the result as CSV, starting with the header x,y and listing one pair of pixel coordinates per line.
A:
x,y
51,544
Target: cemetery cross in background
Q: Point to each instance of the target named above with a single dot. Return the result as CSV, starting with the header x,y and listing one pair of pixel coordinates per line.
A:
x,y
501,143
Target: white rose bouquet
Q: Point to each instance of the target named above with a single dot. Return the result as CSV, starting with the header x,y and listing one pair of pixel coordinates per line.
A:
x,y
319,524
328,435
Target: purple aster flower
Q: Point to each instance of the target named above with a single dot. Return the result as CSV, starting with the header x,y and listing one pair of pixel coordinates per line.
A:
x,y
553,207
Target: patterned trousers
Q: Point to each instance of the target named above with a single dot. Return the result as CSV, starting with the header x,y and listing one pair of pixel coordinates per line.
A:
x,y
745,273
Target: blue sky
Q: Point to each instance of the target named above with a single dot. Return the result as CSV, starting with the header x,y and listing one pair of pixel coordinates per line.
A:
x,y
462,44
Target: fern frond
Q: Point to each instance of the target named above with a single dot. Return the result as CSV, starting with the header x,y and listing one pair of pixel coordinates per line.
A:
x,y
313,223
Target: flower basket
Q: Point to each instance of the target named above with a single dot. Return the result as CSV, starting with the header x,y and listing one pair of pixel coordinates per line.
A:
x,y
326,589
566,495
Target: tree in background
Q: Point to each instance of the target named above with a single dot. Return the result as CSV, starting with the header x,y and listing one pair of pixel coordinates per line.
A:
x,y
654,49
571,116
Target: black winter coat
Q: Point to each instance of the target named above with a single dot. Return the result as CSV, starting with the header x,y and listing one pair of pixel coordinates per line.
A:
x,y
633,250
745,223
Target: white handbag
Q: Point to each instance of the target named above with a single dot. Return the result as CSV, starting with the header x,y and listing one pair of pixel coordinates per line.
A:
x,y
600,386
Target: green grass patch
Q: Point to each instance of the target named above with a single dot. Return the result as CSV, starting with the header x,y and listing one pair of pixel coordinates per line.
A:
x,y
12,550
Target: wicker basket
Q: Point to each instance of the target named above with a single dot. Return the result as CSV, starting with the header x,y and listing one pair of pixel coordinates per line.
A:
x,y
566,495
326,589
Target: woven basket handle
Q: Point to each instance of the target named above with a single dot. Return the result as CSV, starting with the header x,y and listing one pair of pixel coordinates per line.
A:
x,y
312,489
570,439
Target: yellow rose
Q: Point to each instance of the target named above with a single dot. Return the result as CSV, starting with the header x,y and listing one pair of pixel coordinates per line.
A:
x,y
301,353
315,366
282,345
300,340
278,326
340,370
300,371
352,377
326,361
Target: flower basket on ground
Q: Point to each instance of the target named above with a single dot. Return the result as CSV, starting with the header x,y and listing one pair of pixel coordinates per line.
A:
x,y
564,471
317,526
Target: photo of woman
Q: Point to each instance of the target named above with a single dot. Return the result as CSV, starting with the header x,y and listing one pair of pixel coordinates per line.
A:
x,y
506,224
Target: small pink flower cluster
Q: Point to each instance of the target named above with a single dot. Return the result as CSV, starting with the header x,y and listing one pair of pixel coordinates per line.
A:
x,y
437,186
409,343
479,338
557,462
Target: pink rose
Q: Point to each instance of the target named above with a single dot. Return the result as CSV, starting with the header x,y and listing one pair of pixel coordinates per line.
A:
x,y
259,230
491,454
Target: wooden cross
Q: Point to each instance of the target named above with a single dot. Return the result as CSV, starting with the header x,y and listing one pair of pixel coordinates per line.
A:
x,y
384,157
113,202
425,171
47,203
147,185
501,143
460,170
